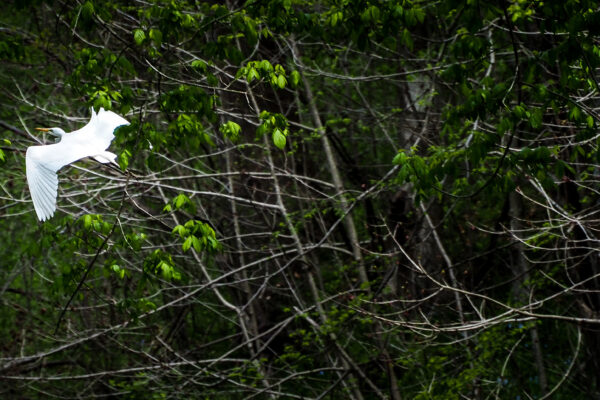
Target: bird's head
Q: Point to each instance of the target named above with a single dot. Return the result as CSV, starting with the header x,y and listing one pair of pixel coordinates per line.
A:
x,y
53,131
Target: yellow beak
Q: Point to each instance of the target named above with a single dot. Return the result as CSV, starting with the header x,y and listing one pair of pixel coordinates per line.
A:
x,y
43,129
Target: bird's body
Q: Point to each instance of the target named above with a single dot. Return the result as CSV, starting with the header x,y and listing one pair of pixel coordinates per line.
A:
x,y
42,162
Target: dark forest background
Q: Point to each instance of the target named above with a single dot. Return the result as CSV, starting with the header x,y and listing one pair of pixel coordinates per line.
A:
x,y
316,200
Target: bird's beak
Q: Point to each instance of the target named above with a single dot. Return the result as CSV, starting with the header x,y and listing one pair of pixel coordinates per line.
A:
x,y
43,129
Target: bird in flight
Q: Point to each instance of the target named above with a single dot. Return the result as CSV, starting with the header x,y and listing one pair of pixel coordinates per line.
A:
x,y
42,162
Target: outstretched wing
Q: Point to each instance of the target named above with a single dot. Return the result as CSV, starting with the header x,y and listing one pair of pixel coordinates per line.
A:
x,y
42,179
106,123
98,133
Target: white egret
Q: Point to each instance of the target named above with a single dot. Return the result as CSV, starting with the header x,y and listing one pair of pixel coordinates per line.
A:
x,y
42,162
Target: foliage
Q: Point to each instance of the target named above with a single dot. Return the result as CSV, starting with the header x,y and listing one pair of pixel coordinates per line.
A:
x,y
316,199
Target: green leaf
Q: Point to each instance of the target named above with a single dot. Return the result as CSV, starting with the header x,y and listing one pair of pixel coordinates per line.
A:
x,y
266,66
180,201
399,159
124,159
199,65
333,19
180,230
87,10
575,114
139,36
295,78
156,36
279,139
196,243
165,270
519,111
115,95
187,243
241,72
281,81
252,74
231,130
262,129
536,119
87,221
375,13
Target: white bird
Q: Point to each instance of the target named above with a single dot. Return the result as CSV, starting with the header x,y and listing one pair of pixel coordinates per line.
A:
x,y
42,162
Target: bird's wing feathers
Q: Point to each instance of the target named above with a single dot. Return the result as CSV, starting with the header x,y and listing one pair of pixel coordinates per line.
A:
x,y
42,180
99,131
107,122
42,162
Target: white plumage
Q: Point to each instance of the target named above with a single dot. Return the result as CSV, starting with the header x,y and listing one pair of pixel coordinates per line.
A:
x,y
42,162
